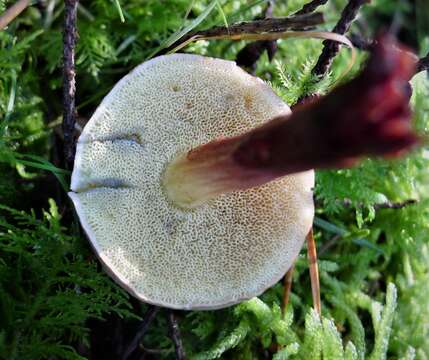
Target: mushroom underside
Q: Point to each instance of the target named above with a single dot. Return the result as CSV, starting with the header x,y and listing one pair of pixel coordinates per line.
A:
x,y
226,250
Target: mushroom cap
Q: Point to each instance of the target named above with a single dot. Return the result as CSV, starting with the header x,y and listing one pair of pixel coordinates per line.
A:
x,y
225,251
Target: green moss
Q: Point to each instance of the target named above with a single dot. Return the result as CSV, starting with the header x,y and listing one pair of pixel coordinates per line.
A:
x,y
50,285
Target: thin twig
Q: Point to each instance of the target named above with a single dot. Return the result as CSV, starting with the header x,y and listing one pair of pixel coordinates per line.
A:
x,y
311,6
69,84
314,271
325,247
361,43
395,205
141,331
156,351
13,12
423,64
175,336
383,205
265,25
287,283
254,27
331,48
250,54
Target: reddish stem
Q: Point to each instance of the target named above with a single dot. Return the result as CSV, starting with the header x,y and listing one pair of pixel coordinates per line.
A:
x,y
369,116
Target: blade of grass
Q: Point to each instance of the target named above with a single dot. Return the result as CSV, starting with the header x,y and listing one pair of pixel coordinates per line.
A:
x,y
124,44
222,14
57,172
180,33
40,166
11,102
118,7
236,14
188,10
327,226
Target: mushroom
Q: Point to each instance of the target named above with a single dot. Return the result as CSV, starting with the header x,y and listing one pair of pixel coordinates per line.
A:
x,y
190,226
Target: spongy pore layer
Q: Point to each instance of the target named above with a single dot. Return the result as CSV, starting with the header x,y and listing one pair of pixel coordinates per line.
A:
x,y
227,250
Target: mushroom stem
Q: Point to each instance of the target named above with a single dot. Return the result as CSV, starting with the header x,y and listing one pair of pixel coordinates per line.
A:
x,y
369,116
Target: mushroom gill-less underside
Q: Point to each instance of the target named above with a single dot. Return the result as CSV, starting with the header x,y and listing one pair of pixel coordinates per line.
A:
x,y
221,252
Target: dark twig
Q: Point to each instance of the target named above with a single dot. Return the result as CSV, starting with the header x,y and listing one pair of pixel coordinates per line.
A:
x,y
385,205
326,246
311,6
423,64
250,54
331,48
69,85
175,336
141,331
265,25
360,42
395,205
255,27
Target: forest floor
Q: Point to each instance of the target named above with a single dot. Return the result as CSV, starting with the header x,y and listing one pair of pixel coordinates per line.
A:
x,y
371,225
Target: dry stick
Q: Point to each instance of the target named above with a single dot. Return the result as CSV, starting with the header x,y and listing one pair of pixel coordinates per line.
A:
x,y
395,205
329,244
314,271
141,331
287,283
175,336
331,48
69,84
311,6
361,43
13,12
383,205
255,27
249,55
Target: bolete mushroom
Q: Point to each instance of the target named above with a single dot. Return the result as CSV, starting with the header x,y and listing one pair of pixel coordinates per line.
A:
x,y
191,226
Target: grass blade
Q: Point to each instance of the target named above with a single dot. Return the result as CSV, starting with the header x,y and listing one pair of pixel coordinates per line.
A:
x,y
180,33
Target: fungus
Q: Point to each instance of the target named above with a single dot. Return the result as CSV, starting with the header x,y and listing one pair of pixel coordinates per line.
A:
x,y
191,226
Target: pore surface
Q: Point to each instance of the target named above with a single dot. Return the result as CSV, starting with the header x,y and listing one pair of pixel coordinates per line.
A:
x,y
225,251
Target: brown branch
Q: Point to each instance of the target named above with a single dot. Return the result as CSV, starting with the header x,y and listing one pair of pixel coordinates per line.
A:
x,y
141,331
69,85
384,205
361,43
311,6
365,44
254,27
331,48
250,54
13,12
393,205
175,336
